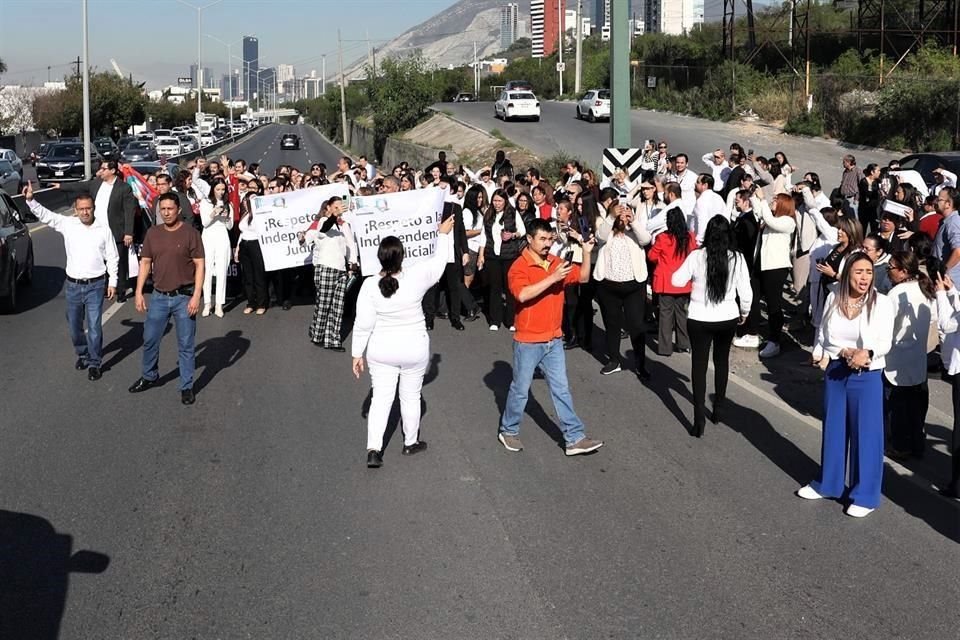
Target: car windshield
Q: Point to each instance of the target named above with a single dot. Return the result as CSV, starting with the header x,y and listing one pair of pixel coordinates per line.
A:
x,y
138,146
522,96
909,164
67,152
5,166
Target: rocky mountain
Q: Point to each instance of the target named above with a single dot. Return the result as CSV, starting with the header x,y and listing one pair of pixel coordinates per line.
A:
x,y
447,38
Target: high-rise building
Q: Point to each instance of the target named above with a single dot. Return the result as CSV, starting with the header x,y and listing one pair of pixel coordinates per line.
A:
x,y
509,14
312,87
268,82
546,25
677,17
230,86
285,73
251,64
207,77
601,12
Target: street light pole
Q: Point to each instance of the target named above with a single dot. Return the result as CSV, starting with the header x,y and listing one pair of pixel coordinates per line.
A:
x,y
199,49
229,71
87,169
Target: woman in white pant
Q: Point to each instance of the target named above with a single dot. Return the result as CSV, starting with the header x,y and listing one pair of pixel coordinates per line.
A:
x,y
390,327
216,214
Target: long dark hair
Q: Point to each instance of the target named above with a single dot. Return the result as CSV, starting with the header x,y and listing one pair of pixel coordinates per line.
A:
x,y
910,263
226,191
180,184
471,201
390,255
677,227
590,210
717,241
490,214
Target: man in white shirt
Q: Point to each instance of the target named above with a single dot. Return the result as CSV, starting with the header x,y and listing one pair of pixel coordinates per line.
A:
x,y
91,271
686,179
709,204
943,178
717,163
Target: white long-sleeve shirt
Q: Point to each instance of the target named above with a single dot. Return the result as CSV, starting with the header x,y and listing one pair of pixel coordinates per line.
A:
x,y
91,250
709,204
694,268
948,321
719,172
872,331
401,313
906,362
335,248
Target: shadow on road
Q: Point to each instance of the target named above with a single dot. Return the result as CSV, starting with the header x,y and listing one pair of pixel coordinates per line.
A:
x,y
498,381
35,567
47,284
213,355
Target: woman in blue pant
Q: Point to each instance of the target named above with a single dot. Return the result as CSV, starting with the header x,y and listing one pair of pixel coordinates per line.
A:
x,y
855,334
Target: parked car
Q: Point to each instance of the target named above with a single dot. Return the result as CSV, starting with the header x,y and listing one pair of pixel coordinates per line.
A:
x,y
925,163
139,150
11,156
517,104
289,141
518,85
188,143
16,253
124,141
168,146
594,105
464,97
64,163
107,148
10,178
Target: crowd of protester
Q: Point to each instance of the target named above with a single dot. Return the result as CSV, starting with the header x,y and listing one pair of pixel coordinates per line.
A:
x,y
692,259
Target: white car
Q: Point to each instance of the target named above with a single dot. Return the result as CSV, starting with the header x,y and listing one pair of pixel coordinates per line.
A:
x,y
206,139
11,156
517,104
188,143
168,146
594,105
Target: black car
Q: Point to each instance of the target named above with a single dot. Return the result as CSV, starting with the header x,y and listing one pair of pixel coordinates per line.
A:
x,y
107,148
16,253
124,141
290,141
41,151
139,151
64,163
925,163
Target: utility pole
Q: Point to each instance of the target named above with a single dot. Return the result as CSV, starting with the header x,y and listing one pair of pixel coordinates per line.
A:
x,y
751,26
87,172
560,40
343,92
476,73
578,77
78,66
370,54
619,76
323,77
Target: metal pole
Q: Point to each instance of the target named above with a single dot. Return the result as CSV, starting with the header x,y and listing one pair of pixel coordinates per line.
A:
x,y
323,77
560,35
619,76
199,65
578,77
87,169
343,92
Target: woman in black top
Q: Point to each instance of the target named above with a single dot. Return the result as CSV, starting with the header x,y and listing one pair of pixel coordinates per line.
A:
x,y
505,234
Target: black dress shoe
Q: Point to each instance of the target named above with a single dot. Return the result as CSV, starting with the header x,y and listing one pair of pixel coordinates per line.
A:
x,y
443,315
81,364
287,305
717,415
374,459
429,323
698,427
142,385
93,373
121,297
473,315
187,396
337,349
416,447
456,324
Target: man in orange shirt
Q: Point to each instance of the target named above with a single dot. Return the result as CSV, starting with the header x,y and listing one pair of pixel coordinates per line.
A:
x,y
536,279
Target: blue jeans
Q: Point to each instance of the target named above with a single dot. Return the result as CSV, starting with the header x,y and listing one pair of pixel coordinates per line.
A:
x,y
549,356
159,311
852,435
85,302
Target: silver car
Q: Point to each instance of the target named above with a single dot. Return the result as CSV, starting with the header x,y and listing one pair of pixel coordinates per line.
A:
x,y
10,179
11,156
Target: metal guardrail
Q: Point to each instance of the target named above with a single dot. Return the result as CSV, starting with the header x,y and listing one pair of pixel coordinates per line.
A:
x,y
55,199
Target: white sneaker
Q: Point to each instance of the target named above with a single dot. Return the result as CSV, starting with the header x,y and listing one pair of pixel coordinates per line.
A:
x,y
494,327
770,350
219,311
513,329
808,493
206,311
855,511
747,342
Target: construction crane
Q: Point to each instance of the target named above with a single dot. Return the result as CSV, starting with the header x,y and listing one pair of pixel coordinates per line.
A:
x,y
116,68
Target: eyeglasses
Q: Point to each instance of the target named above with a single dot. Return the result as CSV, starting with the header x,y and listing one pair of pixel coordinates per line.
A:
x,y
646,188
663,147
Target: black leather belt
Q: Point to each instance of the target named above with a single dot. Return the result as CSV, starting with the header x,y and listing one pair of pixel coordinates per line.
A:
x,y
186,290
86,280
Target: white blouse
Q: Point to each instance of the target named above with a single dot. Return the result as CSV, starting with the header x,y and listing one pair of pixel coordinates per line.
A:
x,y
738,286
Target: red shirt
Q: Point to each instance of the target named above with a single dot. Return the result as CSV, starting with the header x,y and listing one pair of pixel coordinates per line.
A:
x,y
538,319
930,224
233,194
663,252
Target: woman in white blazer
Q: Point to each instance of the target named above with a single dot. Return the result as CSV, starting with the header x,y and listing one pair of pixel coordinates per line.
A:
x,y
216,214
775,239
621,275
948,322
856,333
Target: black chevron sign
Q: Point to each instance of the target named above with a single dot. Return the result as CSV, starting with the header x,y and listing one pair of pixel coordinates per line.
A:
x,y
627,159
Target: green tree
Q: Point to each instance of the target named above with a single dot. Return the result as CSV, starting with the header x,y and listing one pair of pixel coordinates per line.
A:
x,y
115,105
399,97
3,66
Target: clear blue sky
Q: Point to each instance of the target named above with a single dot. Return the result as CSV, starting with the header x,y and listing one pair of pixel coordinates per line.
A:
x,y
156,40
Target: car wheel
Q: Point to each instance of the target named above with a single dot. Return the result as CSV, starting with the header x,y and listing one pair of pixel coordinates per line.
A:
x,y
536,118
593,118
27,276
506,115
9,304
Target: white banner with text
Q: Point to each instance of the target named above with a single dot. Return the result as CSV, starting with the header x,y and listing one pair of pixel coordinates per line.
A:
x,y
278,217
412,216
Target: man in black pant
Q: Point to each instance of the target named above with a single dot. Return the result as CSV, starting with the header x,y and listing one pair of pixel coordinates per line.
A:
x,y
452,280
111,194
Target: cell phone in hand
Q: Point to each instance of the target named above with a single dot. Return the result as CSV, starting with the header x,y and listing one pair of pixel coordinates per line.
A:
x,y
568,257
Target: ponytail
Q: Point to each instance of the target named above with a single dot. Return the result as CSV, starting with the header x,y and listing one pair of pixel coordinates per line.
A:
x,y
388,285
390,254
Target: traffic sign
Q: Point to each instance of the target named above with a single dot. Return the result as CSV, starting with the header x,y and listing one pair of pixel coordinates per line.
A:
x,y
561,66
627,159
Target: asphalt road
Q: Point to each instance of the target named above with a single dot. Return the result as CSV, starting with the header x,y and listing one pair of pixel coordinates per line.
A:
x,y
251,514
559,130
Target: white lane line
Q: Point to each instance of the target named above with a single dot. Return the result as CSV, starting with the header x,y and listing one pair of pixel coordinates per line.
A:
x,y
111,311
